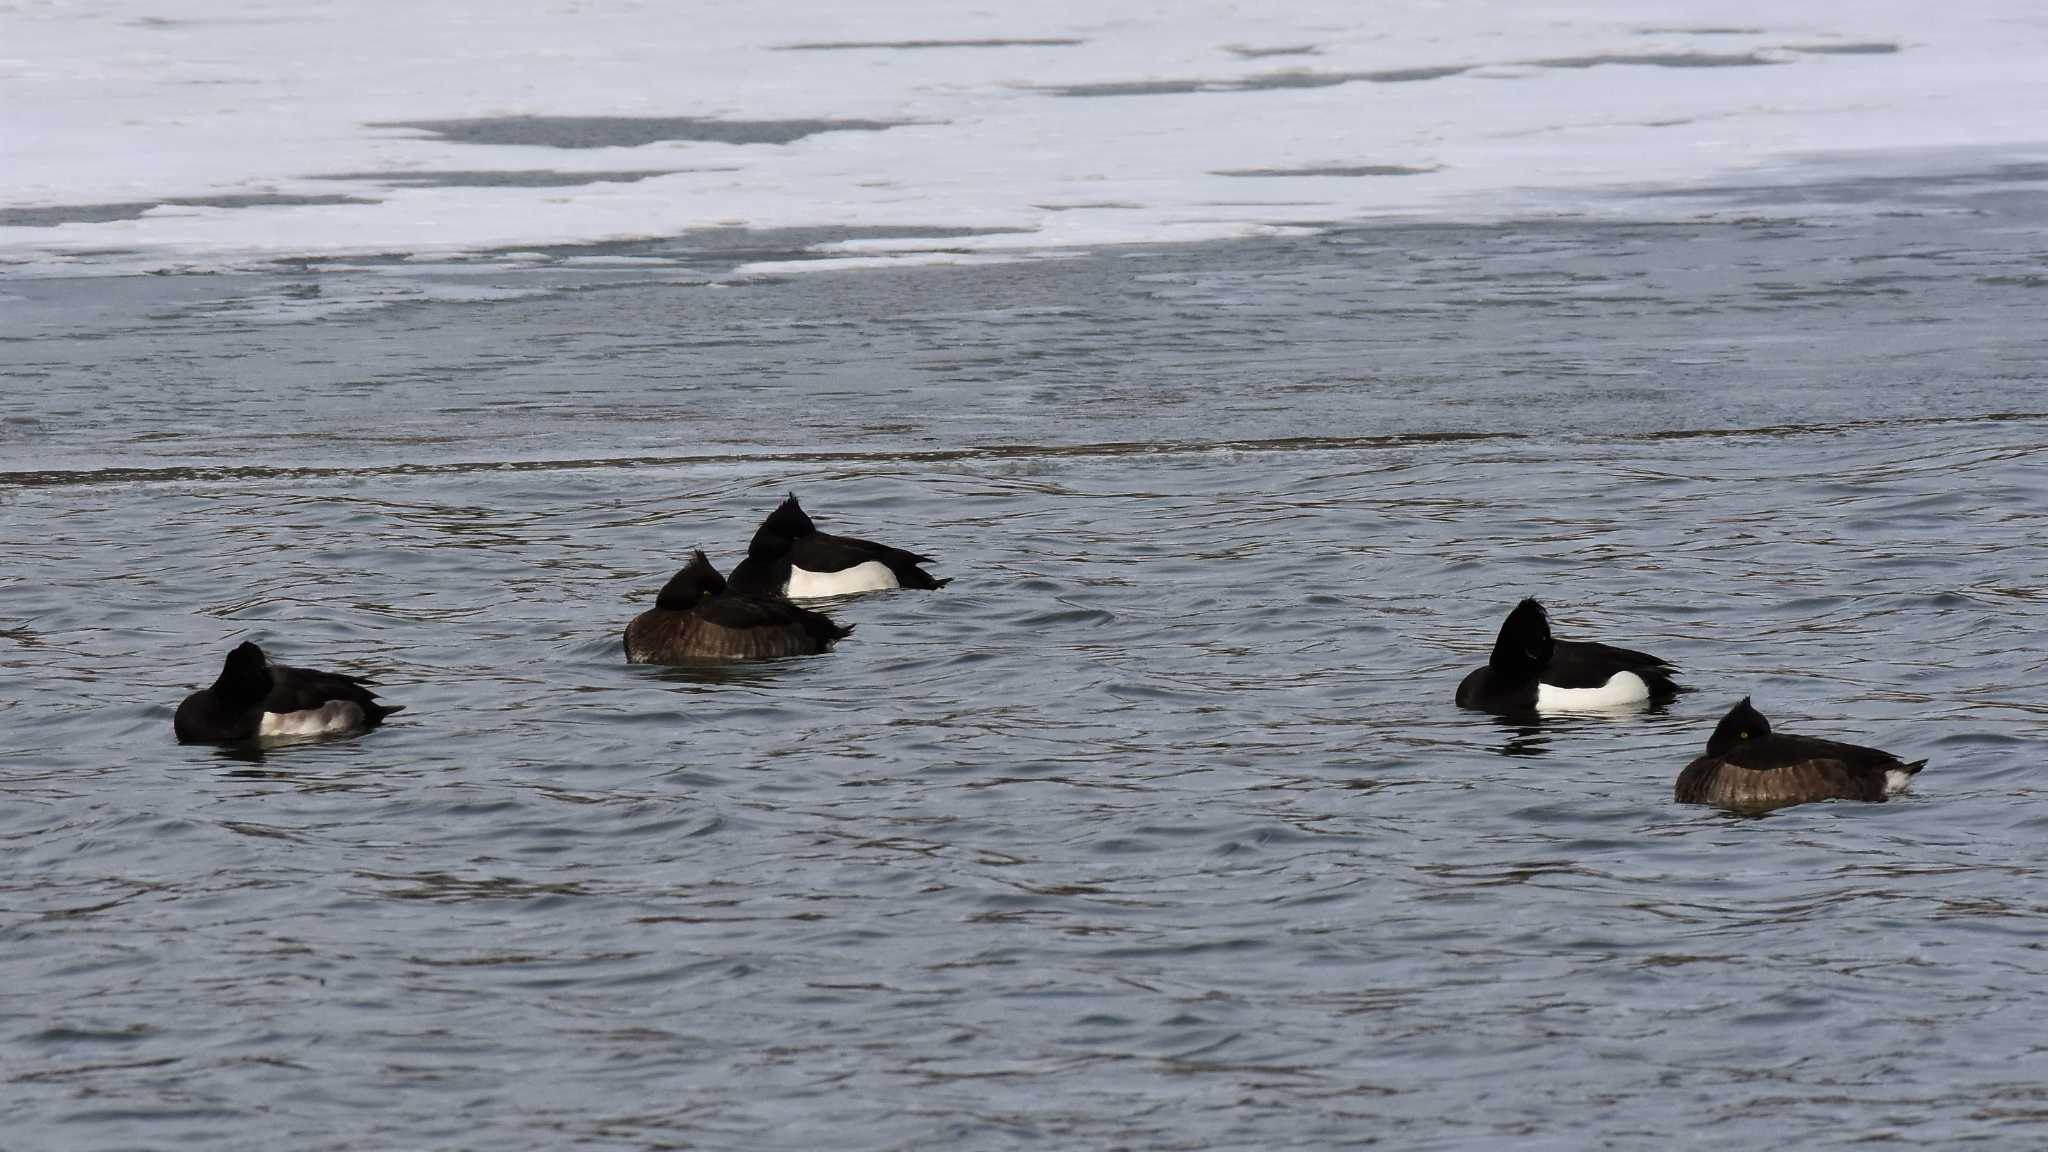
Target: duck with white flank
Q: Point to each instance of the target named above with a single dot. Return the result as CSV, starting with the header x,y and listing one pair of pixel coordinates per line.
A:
x,y
699,618
1749,768
1532,672
254,698
790,557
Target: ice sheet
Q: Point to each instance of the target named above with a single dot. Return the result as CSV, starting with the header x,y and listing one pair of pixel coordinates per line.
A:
x,y
234,133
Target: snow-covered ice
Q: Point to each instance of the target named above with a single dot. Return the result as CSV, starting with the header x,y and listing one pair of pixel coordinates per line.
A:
x,y
214,133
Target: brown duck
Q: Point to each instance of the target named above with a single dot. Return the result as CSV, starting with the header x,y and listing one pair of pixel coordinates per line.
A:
x,y
1749,768
696,619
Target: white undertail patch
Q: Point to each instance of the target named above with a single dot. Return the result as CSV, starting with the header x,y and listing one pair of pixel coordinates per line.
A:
x,y
333,716
1621,690
1896,779
870,576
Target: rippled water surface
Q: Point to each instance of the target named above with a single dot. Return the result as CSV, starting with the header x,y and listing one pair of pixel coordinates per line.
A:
x,y
1156,829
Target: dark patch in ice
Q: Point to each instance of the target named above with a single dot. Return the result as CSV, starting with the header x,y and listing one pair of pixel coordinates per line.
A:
x,y
1275,80
1250,53
1264,82
699,252
1330,170
71,214
57,214
517,178
1409,75
1662,60
1019,42
1136,88
199,21
748,245
1995,186
1303,79
1873,48
627,131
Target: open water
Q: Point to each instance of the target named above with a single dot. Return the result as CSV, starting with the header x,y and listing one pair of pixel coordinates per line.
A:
x,y
1157,828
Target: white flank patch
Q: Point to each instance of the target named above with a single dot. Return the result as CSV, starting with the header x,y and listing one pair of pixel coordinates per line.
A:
x,y
1622,688
873,576
1895,780
333,716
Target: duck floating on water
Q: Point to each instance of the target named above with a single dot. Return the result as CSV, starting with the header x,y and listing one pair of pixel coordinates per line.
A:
x,y
788,556
698,617
1750,768
1531,671
254,698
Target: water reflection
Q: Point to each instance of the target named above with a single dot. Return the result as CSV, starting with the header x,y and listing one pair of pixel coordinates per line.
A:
x,y
727,673
1524,737
247,752
1530,733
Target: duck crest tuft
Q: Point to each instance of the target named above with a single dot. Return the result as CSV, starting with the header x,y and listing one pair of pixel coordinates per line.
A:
x,y
1524,644
788,520
1743,722
697,580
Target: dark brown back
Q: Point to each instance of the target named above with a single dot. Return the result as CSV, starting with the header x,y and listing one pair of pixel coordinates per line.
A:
x,y
1712,780
660,636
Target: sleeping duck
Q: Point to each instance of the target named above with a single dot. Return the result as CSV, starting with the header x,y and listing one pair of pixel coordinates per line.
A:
x,y
1530,671
697,617
1749,768
254,698
790,557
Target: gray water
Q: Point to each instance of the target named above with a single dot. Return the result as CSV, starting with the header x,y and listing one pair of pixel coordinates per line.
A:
x,y
1157,828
